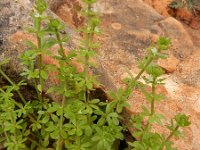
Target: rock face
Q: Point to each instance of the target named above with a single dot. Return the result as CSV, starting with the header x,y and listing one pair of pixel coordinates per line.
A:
x,y
129,27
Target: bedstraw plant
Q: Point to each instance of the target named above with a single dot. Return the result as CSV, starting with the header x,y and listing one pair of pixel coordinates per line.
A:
x,y
192,5
75,119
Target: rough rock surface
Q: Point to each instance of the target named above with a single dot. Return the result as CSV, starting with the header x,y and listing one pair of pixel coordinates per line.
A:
x,y
129,27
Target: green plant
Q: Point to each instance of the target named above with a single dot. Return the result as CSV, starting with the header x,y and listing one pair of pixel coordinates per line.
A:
x,y
190,4
143,122
78,121
75,120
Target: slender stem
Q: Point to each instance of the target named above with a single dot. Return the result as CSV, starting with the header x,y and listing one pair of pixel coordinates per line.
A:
x,y
144,68
169,137
59,142
13,84
172,133
132,85
40,61
153,91
61,51
87,47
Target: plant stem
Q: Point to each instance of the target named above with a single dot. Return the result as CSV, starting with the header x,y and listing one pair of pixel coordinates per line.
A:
x,y
13,84
61,51
144,68
88,48
153,90
131,86
169,137
59,145
40,64
59,142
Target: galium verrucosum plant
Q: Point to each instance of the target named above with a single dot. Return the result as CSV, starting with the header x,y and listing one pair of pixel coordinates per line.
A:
x,y
146,137
76,120
143,133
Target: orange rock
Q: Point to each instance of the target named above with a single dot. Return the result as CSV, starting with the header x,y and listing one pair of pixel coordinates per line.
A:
x,y
170,64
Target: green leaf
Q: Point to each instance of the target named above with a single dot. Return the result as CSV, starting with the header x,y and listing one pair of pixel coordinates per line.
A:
x,y
39,87
40,6
53,108
89,2
95,101
45,119
54,118
63,134
89,85
50,90
163,43
88,131
50,128
44,74
79,132
156,118
31,45
155,70
27,132
100,145
49,43
182,120
101,121
137,145
55,134
72,132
